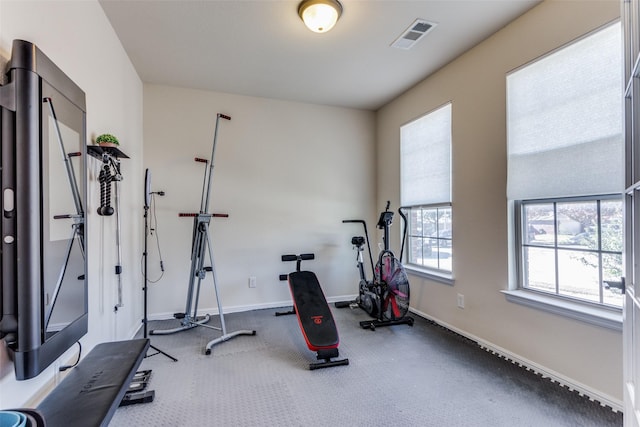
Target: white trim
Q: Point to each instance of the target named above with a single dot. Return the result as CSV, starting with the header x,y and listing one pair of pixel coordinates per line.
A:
x,y
227,310
242,308
582,389
441,277
598,316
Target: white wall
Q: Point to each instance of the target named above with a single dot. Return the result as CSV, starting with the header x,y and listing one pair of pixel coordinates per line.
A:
x,y
475,83
286,173
78,38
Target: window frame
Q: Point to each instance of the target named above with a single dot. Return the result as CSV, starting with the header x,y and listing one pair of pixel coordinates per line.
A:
x,y
438,274
520,246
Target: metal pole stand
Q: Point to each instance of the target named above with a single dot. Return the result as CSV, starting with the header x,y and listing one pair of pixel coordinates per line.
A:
x,y
146,283
202,243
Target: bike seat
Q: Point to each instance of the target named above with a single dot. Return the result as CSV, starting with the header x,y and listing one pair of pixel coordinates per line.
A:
x,y
357,241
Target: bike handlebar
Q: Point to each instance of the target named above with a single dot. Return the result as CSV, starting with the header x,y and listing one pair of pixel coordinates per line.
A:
x,y
405,223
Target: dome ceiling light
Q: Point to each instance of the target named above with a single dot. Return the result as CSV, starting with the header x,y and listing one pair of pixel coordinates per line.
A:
x,y
320,15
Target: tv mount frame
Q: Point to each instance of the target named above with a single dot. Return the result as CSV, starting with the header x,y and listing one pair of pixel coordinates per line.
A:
x,y
30,133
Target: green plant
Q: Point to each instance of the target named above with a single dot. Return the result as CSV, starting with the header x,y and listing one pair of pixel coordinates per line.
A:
x,y
107,138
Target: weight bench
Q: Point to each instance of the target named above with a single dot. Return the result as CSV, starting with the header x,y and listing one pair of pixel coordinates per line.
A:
x,y
314,316
90,394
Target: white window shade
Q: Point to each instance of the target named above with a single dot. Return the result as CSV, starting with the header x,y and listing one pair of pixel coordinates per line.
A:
x,y
425,147
564,121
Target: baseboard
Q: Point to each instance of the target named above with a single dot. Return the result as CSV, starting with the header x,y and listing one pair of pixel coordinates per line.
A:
x,y
227,310
42,392
342,298
134,330
242,308
52,382
555,377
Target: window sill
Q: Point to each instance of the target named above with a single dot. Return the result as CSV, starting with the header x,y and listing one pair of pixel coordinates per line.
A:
x,y
436,276
598,316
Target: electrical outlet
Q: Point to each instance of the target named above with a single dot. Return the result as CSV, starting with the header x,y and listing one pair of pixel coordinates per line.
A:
x,y
252,281
460,301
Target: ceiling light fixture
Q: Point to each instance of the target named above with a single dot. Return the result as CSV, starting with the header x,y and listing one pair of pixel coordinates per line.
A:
x,y
320,15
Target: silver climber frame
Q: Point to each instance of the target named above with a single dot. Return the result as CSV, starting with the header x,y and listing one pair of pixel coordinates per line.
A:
x,y
201,245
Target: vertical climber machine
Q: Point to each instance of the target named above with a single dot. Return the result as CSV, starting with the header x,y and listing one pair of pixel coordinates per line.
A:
x,y
201,247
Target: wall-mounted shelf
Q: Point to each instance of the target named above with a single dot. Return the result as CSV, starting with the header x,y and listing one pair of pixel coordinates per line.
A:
x,y
97,151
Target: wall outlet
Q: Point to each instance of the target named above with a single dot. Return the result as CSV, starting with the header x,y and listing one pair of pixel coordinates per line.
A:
x,y
252,281
460,301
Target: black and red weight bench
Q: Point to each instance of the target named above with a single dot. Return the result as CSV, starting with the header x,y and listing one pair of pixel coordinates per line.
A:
x,y
314,316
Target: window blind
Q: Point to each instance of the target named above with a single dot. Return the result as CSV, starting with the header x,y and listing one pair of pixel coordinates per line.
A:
x,y
564,121
425,159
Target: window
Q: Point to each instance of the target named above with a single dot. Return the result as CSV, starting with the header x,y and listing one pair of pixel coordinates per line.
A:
x,y
573,247
429,237
565,150
425,151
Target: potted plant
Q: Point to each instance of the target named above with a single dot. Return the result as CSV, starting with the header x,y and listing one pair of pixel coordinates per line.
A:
x,y
107,140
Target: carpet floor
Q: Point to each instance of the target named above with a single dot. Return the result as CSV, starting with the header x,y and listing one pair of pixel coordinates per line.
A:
x,y
422,375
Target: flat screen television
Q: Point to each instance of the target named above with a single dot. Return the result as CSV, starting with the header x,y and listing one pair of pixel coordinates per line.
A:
x,y
43,298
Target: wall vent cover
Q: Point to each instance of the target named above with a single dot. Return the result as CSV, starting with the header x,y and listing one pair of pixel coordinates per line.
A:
x,y
411,35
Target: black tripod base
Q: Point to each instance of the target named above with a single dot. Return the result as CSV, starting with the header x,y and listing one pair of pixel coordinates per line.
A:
x,y
373,324
158,351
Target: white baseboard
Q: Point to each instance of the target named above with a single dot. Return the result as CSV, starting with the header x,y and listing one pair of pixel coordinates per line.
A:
x,y
52,382
582,389
227,310
241,308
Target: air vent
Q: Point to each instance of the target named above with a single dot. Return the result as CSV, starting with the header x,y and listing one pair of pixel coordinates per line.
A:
x,y
415,32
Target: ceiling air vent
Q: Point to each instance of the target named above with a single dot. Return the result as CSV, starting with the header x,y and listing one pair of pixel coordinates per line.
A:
x,y
415,32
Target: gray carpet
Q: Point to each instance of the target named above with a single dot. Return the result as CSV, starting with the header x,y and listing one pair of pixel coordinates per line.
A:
x,y
423,375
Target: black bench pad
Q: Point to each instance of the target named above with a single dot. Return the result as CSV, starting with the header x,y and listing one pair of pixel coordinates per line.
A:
x,y
315,318
90,394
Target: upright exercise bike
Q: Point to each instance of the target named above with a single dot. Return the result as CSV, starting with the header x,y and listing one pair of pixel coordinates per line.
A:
x,y
386,297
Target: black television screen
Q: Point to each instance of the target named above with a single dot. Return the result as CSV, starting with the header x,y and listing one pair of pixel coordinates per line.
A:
x,y
44,273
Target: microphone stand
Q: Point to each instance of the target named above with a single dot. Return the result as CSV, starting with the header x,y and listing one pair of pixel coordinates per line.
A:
x,y
145,320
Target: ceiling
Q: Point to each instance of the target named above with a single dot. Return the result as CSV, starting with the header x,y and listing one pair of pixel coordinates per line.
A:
x,y
262,48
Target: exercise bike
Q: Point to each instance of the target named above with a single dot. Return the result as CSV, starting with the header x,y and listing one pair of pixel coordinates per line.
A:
x,y
314,316
386,297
